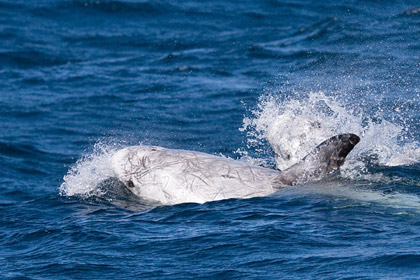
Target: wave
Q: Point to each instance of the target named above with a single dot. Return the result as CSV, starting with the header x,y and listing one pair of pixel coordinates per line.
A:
x,y
20,150
291,46
33,59
149,8
353,194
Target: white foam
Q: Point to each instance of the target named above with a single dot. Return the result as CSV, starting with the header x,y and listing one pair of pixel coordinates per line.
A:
x,y
84,176
295,126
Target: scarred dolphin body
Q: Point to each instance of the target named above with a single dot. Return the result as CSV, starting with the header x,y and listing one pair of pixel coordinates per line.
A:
x,y
172,176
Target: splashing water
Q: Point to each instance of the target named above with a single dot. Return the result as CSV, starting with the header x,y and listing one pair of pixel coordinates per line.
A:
x,y
84,177
295,126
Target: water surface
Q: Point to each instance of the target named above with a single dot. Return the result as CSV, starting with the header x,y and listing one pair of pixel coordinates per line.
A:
x,y
80,79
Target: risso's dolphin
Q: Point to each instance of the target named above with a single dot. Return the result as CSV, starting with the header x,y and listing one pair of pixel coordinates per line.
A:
x,y
175,176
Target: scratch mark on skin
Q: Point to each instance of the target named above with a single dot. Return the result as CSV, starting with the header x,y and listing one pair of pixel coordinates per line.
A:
x,y
198,177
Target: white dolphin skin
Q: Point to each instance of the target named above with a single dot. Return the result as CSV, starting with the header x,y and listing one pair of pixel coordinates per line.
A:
x,y
176,176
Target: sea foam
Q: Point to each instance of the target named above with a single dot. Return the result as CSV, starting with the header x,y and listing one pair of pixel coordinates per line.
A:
x,y
293,127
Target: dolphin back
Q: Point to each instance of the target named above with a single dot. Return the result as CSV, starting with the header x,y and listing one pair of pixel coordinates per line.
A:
x,y
324,159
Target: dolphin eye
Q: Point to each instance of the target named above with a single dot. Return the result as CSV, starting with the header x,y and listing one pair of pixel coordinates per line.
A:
x,y
130,184
288,157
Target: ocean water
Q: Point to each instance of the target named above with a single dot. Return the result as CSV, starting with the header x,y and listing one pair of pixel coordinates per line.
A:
x,y
242,79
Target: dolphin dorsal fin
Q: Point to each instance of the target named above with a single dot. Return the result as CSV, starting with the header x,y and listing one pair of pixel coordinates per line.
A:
x,y
324,159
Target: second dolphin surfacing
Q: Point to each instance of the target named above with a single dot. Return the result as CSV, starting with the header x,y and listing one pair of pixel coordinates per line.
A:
x,y
172,176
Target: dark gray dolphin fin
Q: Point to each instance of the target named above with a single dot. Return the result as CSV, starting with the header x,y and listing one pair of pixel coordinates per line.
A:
x,y
324,159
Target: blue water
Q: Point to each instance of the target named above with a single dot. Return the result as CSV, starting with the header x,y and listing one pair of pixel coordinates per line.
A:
x,y
79,79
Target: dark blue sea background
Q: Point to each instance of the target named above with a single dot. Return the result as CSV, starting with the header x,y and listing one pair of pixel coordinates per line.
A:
x,y
81,79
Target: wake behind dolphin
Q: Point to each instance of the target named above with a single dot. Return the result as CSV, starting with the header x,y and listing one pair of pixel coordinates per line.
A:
x,y
176,176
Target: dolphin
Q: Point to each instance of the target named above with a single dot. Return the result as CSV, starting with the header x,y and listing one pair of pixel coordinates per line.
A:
x,y
169,176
